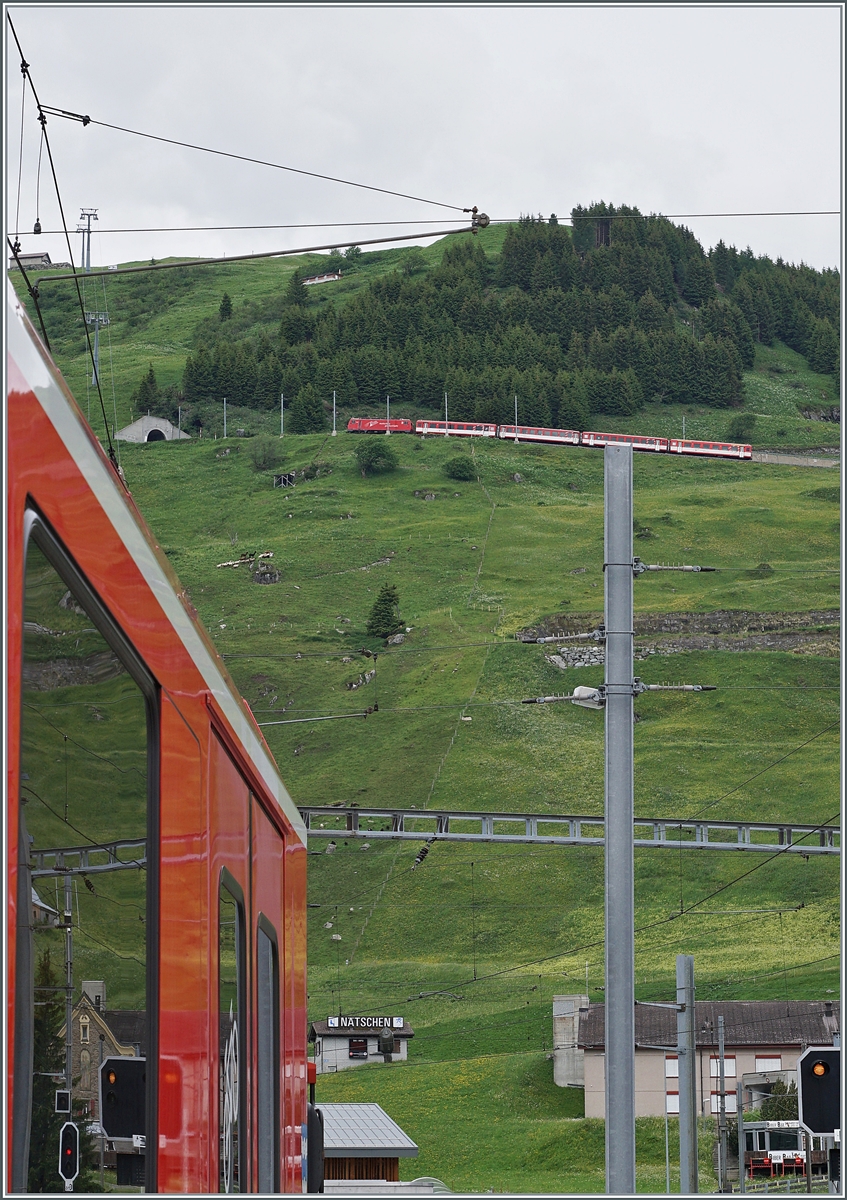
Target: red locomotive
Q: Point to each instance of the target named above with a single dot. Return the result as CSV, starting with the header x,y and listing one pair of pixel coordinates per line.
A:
x,y
378,425
171,779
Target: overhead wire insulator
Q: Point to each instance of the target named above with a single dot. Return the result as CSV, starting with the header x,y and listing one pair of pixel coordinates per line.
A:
x,y
422,853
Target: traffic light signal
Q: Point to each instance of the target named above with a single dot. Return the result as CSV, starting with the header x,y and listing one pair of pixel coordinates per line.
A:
x,y
123,1088
69,1151
819,1080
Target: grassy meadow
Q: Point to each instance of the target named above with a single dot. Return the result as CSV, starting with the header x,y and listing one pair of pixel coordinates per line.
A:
x,y
472,945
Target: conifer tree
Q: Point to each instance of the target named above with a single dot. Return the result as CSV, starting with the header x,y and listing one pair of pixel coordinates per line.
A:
x,y
225,310
306,414
384,619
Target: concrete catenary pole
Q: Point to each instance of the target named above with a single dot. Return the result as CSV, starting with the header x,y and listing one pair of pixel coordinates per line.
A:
x,y
722,1156
620,898
69,985
686,1033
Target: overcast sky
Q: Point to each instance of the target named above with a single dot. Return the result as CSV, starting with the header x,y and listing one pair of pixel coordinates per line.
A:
x,y
517,109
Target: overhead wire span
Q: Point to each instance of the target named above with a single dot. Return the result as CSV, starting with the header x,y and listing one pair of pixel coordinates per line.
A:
x,y
43,121
216,262
31,288
86,120
251,228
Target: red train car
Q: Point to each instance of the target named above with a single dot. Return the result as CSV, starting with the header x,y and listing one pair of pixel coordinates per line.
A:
x,y
637,441
528,433
457,428
378,425
166,787
710,449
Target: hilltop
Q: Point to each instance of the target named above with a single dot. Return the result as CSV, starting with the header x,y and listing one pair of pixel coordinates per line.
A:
x,y
624,321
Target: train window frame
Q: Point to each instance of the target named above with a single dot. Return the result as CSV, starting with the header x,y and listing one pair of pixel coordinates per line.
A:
x,y
268,1106
38,531
227,882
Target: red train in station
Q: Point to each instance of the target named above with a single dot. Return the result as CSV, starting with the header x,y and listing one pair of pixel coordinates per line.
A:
x,y
556,437
170,780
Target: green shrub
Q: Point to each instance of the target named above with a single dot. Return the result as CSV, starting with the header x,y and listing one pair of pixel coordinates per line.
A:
x,y
375,454
460,467
265,453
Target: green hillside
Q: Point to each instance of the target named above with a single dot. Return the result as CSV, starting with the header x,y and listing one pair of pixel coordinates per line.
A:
x,y
472,945
637,331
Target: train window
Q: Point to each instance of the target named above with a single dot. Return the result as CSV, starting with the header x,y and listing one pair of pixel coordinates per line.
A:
x,y
267,1055
88,778
232,1041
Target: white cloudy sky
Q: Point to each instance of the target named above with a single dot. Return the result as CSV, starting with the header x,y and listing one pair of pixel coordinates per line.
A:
x,y
686,109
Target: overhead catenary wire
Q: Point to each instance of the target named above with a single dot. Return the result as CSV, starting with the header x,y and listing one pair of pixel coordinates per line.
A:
x,y
86,120
216,262
43,120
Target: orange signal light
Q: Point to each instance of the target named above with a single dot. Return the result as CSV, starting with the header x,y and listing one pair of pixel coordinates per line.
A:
x,y
112,1077
820,1069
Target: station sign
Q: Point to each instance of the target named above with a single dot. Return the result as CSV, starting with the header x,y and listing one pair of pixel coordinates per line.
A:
x,y
364,1022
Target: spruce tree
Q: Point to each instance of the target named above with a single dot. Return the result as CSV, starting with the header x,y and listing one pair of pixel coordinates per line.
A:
x,y
306,414
296,292
384,619
225,310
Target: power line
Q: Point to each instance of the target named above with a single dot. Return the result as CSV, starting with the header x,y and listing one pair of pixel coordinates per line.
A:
x,y
247,228
86,120
43,120
217,262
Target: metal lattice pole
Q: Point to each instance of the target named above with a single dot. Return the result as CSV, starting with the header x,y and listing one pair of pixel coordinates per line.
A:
x,y
620,897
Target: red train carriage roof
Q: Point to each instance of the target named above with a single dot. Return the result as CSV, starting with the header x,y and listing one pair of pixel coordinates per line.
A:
x,y
31,368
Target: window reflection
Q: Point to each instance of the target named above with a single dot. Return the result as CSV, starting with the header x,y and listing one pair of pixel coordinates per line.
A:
x,y
231,949
83,786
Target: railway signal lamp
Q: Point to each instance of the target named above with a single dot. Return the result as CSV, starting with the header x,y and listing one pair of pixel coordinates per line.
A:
x,y
122,1096
819,1076
69,1154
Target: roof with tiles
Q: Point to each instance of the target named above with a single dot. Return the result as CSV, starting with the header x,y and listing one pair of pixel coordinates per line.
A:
x,y
746,1023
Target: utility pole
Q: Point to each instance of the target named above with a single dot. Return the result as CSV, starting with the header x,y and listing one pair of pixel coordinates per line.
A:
x,y
88,215
516,433
723,1183
281,415
620,867
686,1048
387,415
69,986
333,414
224,416
446,431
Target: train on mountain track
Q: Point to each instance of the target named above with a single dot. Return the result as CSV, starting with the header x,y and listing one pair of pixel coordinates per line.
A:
x,y
134,767
554,437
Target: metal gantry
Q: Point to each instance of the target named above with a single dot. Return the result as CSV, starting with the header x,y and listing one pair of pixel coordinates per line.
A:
x,y
546,829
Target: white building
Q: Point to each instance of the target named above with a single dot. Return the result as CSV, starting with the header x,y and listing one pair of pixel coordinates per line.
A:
x,y
763,1039
353,1041
567,1056
151,429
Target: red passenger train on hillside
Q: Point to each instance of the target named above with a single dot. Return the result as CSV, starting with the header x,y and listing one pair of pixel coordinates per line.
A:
x,y
555,437
171,789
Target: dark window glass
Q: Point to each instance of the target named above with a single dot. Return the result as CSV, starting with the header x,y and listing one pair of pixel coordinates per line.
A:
x,y
267,1061
232,1041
